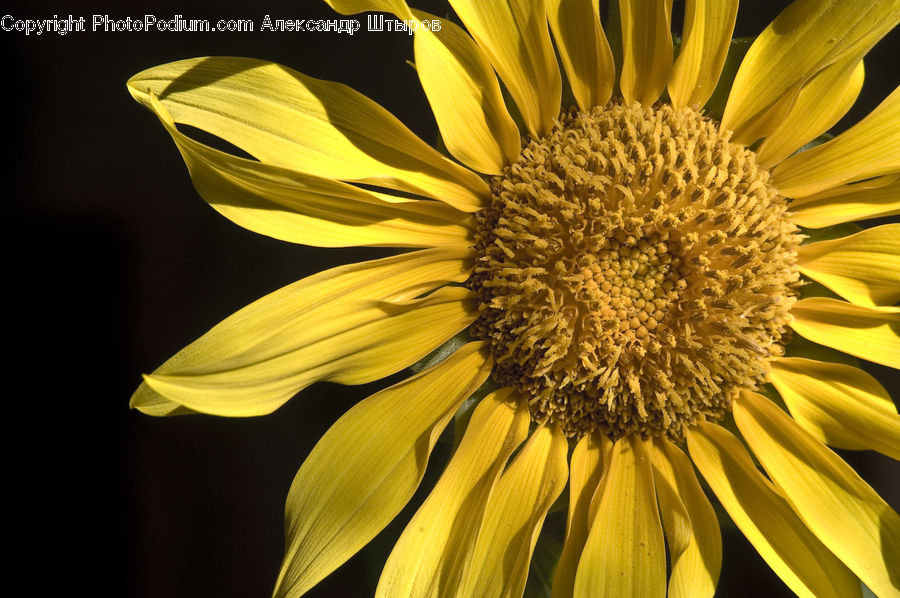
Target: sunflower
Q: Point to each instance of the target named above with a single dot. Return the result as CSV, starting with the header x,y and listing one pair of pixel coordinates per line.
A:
x,y
606,296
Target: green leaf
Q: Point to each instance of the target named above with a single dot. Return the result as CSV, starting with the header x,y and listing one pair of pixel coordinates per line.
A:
x,y
828,233
464,413
442,352
613,29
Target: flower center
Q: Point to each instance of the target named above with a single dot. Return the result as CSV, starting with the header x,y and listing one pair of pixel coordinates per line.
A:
x,y
635,272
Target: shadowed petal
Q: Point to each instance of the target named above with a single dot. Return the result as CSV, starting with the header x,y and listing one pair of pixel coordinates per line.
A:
x,y
692,530
584,50
647,44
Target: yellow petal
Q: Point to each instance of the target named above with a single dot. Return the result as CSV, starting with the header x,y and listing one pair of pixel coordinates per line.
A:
x,y
708,25
869,148
368,465
647,47
834,502
350,324
352,7
871,333
465,97
692,530
625,552
287,119
863,268
460,86
806,37
303,208
874,198
585,471
430,554
838,404
821,103
584,50
766,518
514,36
498,565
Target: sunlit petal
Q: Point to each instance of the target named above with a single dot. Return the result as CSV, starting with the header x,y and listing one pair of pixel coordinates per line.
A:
x,y
708,25
873,198
838,404
428,559
864,268
766,518
833,501
821,103
303,208
284,118
382,446
513,516
806,37
513,35
647,44
625,552
871,333
870,148
339,325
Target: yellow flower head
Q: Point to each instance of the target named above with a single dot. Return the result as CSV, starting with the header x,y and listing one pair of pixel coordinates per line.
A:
x,y
627,275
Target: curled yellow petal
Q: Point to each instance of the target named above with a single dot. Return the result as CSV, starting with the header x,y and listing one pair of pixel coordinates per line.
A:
x,y
428,559
871,333
302,208
381,446
821,103
513,35
833,501
874,198
870,148
625,552
838,404
513,516
284,118
585,470
350,324
647,47
766,518
584,50
708,25
806,37
864,268
692,530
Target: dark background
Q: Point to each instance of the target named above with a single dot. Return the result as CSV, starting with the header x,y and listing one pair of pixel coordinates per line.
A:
x,y
113,263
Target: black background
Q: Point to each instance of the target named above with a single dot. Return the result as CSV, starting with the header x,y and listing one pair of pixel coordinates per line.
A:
x,y
113,263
